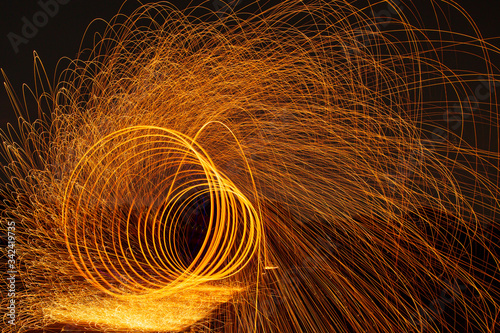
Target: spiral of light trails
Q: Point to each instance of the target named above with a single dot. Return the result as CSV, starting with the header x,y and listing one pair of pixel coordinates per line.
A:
x,y
262,173
170,171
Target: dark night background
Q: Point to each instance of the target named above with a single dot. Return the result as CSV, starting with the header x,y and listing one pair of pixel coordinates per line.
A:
x,y
62,35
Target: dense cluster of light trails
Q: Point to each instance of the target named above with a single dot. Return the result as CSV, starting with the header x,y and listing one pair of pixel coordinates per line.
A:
x,y
160,174
270,172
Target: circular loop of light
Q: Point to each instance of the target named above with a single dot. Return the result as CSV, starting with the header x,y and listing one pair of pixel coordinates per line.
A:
x,y
141,185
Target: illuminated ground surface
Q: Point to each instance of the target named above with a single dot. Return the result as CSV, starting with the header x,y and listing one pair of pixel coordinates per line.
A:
x,y
174,313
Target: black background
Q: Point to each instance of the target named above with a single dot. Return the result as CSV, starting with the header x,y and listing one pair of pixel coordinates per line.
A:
x,y
62,35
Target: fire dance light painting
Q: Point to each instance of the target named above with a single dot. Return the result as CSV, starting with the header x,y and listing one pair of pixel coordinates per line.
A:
x,y
315,166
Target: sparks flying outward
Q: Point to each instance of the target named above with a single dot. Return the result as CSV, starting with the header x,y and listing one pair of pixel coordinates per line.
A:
x,y
309,168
